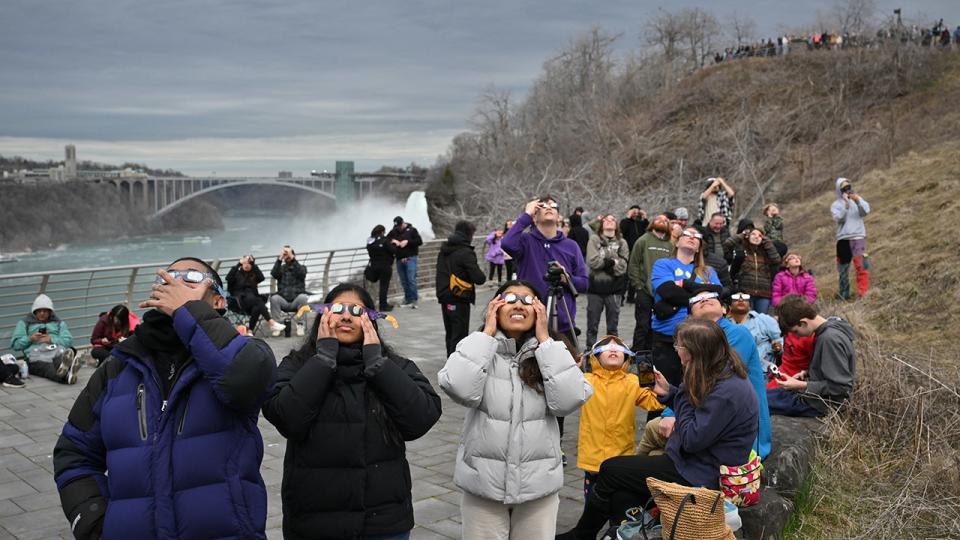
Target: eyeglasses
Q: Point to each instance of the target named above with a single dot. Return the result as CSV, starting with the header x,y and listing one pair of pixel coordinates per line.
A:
x,y
352,309
702,297
739,296
612,346
691,234
550,204
512,298
192,276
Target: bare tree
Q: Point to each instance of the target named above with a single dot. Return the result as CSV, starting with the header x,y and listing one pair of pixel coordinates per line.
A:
x,y
665,30
700,30
742,28
855,17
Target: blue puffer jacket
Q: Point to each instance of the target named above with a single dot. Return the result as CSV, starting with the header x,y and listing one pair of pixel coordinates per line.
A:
x,y
183,467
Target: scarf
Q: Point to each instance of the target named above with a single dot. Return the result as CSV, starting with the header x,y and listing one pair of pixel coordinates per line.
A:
x,y
169,354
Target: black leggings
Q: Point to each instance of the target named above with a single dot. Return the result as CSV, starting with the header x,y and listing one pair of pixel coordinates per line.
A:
x,y
253,304
622,482
100,354
499,269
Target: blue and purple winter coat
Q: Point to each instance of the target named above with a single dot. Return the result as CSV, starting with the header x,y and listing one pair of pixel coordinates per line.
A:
x,y
531,251
184,467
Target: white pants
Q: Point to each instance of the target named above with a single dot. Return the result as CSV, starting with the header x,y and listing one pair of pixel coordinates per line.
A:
x,y
484,519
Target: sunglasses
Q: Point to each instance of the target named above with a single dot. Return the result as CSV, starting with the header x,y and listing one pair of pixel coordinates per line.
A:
x,y
550,204
192,276
612,346
703,297
691,234
352,309
512,298
740,296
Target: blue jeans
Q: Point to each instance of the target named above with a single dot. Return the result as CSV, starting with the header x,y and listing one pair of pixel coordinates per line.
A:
x,y
407,272
760,305
398,536
788,403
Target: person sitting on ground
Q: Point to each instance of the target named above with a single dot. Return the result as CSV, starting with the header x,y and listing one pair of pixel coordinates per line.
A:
x,y
495,255
607,255
544,246
112,327
347,403
407,240
457,275
163,441
608,418
755,275
763,328
515,380
718,197
793,279
46,343
717,416
381,252
773,227
830,379
291,292
706,305
243,284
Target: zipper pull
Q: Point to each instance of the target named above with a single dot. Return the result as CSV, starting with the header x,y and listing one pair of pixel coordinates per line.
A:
x,y
139,397
163,406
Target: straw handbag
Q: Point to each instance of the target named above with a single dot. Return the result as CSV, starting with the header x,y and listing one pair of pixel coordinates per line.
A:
x,y
688,513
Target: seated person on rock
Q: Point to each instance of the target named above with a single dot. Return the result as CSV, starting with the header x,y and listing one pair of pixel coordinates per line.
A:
x,y
829,380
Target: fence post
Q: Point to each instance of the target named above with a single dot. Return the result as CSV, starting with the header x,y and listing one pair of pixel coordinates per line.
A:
x,y
326,272
130,283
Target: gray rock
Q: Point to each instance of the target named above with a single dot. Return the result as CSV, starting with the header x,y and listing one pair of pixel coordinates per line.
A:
x,y
766,519
793,447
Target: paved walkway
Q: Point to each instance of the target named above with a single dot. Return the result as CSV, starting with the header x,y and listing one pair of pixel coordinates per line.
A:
x,y
31,419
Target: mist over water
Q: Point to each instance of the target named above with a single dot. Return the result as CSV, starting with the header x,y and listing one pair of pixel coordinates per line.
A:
x,y
261,232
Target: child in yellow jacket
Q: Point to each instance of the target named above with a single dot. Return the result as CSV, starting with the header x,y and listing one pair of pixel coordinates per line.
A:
x,y
608,419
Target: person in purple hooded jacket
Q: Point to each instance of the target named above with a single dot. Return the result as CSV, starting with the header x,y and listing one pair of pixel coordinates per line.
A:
x,y
534,248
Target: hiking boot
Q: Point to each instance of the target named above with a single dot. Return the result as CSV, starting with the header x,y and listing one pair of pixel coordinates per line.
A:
x,y
14,381
276,328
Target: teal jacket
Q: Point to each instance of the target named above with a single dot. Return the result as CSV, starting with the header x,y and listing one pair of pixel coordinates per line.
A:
x,y
56,329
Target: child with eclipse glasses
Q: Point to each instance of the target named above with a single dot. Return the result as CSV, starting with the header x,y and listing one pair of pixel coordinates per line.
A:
x,y
608,419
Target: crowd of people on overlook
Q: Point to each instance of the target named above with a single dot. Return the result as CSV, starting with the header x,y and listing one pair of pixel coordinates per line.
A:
x,y
727,333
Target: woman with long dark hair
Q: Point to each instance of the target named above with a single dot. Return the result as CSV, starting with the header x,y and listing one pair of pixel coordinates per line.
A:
x,y
243,284
346,402
112,328
515,380
717,422
381,252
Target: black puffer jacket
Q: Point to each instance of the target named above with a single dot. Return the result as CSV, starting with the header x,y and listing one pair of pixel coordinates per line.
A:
x,y
381,251
239,281
346,412
457,257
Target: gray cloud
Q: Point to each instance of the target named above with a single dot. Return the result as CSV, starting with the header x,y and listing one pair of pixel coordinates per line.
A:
x,y
304,80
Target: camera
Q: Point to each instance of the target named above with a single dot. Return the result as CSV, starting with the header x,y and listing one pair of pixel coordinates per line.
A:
x,y
554,274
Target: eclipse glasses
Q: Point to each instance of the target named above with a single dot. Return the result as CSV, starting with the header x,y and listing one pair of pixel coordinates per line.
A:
x,y
192,276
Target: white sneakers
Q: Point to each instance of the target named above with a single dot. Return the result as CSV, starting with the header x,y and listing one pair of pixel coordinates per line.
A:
x,y
300,328
276,328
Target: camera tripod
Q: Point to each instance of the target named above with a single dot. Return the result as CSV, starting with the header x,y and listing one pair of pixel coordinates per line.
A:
x,y
554,299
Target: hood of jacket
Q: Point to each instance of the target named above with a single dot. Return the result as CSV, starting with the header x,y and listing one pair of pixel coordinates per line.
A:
x,y
604,373
836,324
42,302
455,241
840,182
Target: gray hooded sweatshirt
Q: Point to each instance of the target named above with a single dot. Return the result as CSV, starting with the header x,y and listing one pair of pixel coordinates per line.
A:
x,y
849,215
833,365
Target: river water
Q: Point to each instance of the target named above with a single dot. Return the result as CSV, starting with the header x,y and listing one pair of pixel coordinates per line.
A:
x,y
255,231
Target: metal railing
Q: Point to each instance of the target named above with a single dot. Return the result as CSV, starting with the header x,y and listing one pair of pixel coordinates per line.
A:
x,y
81,295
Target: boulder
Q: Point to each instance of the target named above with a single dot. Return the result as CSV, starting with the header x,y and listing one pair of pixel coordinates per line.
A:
x,y
788,464
766,519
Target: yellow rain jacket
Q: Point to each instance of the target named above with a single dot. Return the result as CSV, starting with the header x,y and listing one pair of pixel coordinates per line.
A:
x,y
608,419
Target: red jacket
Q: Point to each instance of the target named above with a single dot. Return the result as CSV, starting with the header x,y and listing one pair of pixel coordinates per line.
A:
x,y
104,329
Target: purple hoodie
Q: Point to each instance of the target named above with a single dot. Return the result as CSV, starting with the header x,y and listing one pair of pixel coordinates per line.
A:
x,y
531,251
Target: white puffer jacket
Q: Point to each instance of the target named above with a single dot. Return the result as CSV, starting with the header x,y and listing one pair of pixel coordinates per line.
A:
x,y
510,449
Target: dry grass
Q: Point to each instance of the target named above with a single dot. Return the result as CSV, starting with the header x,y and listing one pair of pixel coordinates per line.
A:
x,y
890,465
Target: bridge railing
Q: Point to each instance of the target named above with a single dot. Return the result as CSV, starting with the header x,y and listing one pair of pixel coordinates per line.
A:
x,y
81,295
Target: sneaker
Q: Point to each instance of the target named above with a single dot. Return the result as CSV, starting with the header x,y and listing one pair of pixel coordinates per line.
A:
x,y
413,305
66,362
276,328
70,358
14,381
301,328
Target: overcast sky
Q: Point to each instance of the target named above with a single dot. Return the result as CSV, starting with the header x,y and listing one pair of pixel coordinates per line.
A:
x,y
253,87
